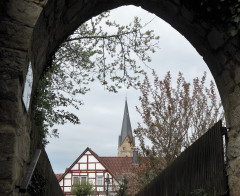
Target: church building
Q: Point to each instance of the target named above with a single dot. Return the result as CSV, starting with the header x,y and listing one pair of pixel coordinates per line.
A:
x,y
126,142
100,170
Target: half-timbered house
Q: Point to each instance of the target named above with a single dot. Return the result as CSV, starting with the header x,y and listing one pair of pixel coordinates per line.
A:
x,y
96,170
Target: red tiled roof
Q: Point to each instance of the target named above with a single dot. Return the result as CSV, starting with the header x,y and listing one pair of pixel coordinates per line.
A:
x,y
58,176
117,165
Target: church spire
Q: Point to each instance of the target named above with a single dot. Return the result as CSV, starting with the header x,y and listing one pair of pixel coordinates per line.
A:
x,y
126,139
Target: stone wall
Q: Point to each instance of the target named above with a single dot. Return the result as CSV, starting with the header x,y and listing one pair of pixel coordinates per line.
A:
x,y
33,29
18,19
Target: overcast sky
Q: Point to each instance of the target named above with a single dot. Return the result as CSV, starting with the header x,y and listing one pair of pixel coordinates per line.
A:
x,y
102,113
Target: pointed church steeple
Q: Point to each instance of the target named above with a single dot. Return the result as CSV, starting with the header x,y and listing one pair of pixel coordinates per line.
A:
x,y
126,140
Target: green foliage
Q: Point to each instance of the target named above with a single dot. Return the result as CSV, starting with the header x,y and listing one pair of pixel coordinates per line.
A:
x,y
123,190
90,54
82,189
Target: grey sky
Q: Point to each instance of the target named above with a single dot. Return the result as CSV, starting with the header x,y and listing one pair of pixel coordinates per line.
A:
x,y
102,113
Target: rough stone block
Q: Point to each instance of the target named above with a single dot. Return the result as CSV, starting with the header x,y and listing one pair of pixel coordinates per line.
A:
x,y
232,47
228,80
15,36
234,97
213,65
7,144
238,57
5,187
170,6
234,118
24,12
24,146
233,148
74,6
234,167
221,58
187,14
9,89
12,62
8,111
237,75
233,183
200,30
6,169
215,38
176,2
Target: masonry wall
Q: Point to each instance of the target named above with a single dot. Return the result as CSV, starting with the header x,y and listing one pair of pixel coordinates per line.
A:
x,y
17,20
15,125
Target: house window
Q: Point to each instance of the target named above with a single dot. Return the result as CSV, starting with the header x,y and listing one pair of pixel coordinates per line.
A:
x,y
99,181
76,180
83,179
124,148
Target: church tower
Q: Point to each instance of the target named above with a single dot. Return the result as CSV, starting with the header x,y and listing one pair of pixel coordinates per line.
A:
x,y
126,141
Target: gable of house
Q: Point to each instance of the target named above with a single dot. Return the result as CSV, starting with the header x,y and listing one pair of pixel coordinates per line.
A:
x,y
88,167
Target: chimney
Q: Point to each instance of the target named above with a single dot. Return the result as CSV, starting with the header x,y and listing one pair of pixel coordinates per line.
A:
x,y
135,156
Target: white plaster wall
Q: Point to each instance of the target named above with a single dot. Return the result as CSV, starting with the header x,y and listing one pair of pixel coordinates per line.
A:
x,y
100,189
67,189
83,166
92,159
75,167
67,182
91,166
68,176
83,159
99,166
91,175
92,181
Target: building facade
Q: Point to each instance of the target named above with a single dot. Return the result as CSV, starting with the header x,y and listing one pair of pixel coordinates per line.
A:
x,y
98,170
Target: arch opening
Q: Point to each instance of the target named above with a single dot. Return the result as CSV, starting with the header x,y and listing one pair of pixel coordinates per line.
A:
x,y
183,61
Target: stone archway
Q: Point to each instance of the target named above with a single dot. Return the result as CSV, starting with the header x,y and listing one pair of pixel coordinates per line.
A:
x,y
33,29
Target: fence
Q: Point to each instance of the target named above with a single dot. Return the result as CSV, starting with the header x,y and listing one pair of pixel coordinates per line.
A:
x,y
200,168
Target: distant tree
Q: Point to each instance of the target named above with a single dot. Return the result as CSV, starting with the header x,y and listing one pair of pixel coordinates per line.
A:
x,y
82,189
123,189
174,116
99,49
